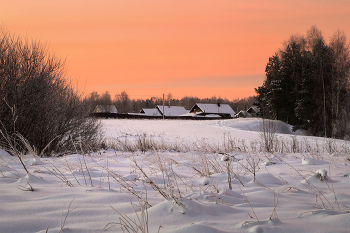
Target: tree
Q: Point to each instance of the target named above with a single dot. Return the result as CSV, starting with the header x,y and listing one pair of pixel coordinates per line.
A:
x,y
307,83
123,102
106,98
340,83
37,101
269,94
169,97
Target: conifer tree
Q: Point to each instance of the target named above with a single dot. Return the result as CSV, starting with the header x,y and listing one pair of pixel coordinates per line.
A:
x,y
307,84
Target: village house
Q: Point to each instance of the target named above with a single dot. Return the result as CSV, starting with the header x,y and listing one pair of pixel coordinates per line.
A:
x,y
243,114
105,109
171,111
150,112
253,111
212,110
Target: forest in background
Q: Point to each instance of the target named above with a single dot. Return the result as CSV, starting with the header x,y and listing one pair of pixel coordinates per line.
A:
x,y
125,104
307,84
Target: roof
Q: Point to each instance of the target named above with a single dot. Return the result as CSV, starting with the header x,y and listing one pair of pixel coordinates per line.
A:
x,y
189,114
253,109
150,112
105,109
213,109
243,113
172,110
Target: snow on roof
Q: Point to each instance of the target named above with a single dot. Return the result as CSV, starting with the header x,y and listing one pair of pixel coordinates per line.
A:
x,y
253,108
151,112
191,114
243,113
105,109
172,110
214,108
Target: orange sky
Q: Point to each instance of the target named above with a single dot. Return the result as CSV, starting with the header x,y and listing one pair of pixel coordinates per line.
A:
x,y
185,47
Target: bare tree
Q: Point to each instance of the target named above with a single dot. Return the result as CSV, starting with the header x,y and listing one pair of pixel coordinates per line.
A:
x,y
340,83
169,98
49,111
123,102
267,134
252,164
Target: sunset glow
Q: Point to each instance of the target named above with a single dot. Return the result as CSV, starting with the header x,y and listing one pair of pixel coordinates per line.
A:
x,y
184,47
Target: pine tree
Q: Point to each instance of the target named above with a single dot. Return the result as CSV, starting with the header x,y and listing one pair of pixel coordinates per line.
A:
x,y
307,84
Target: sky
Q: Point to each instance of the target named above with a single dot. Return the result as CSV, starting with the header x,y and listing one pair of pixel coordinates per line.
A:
x,y
147,48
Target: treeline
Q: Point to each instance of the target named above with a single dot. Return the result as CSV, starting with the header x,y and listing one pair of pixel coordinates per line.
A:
x,y
307,84
125,104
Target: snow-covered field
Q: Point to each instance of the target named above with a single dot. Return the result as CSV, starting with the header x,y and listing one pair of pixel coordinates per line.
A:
x,y
303,186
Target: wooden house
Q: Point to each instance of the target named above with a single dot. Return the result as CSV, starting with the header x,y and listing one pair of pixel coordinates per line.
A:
x,y
253,111
222,110
150,112
243,114
105,109
172,111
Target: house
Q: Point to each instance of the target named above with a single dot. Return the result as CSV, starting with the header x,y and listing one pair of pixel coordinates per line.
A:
x,y
201,116
253,111
223,110
171,111
105,109
150,112
243,114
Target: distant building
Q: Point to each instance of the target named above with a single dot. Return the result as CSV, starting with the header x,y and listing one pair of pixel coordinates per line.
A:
x,y
243,114
105,109
150,112
172,111
223,110
253,111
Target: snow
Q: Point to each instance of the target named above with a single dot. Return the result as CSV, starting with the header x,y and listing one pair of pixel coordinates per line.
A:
x,y
302,187
200,115
172,110
312,161
151,112
253,109
216,108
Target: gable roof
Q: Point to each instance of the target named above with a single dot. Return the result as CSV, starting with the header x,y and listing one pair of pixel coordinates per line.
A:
x,y
253,109
213,109
150,112
105,109
243,113
199,115
172,110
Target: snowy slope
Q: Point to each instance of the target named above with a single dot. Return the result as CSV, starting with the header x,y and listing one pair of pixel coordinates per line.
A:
x,y
185,191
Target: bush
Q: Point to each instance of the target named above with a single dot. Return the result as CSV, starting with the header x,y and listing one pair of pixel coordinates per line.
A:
x,y
37,101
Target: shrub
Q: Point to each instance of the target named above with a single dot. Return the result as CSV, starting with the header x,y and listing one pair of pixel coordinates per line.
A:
x,y
268,134
37,101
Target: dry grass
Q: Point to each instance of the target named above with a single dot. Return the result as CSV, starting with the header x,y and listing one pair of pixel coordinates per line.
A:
x,y
204,159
